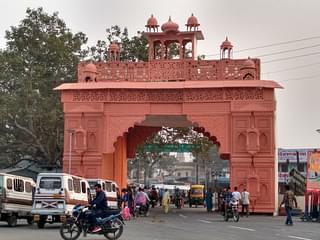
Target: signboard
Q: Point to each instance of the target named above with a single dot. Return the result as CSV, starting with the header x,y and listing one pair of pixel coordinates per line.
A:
x,y
291,155
313,176
283,177
170,147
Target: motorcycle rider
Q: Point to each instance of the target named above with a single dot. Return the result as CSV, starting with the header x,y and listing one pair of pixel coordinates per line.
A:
x,y
236,194
141,199
178,198
153,197
100,207
226,199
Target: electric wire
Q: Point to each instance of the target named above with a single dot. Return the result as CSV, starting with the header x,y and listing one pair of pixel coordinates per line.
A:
x,y
268,45
292,68
292,57
300,78
287,51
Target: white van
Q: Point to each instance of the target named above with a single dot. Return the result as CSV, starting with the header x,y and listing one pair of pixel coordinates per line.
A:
x,y
55,196
15,198
110,188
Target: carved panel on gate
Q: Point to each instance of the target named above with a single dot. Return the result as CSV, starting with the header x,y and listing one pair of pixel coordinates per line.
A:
x,y
241,142
264,193
264,142
92,141
80,140
165,70
205,95
168,95
253,144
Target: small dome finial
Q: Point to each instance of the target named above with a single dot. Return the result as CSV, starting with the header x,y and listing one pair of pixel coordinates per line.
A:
x,y
192,23
170,26
152,23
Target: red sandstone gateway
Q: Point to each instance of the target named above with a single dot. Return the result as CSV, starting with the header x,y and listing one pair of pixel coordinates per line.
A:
x,y
116,105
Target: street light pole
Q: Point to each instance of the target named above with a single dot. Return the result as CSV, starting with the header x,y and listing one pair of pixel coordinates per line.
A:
x,y
71,132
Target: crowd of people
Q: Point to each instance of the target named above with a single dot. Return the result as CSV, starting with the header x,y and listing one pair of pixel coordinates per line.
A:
x,y
132,197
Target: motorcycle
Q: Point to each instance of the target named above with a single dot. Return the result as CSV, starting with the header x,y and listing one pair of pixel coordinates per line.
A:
x,y
231,211
111,226
178,202
153,202
141,210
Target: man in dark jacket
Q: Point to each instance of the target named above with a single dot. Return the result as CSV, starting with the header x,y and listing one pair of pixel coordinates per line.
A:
x,y
99,206
99,203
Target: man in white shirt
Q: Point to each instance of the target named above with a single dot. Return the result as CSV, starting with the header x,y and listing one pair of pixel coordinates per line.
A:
x,y
245,195
236,195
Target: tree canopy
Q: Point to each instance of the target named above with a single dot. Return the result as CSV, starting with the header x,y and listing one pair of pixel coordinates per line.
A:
x,y
204,152
40,54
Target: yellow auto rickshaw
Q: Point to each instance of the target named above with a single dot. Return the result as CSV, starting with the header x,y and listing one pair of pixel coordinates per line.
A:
x,y
196,195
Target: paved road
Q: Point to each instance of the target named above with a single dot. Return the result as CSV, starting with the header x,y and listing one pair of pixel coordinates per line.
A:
x,y
186,224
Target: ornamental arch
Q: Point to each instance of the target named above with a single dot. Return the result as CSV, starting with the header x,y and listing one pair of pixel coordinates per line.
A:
x,y
115,105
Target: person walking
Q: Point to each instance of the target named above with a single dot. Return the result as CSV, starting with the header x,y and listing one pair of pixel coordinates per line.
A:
x,y
124,198
245,196
288,199
131,200
160,196
166,201
209,202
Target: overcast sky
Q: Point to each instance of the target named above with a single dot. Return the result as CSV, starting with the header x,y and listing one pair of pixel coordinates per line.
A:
x,y
247,23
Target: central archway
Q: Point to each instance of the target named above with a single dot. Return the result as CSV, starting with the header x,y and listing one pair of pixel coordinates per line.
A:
x,y
134,133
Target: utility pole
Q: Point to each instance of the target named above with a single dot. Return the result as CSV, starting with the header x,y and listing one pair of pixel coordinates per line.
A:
x,y
197,168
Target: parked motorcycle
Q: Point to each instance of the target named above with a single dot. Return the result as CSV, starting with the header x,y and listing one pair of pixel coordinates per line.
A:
x,y
232,211
111,226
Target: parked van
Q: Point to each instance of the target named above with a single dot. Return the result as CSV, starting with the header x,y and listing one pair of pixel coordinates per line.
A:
x,y
55,196
110,188
16,194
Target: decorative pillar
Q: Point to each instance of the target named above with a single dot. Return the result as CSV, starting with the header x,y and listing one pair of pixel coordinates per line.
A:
x,y
107,168
120,162
162,50
181,48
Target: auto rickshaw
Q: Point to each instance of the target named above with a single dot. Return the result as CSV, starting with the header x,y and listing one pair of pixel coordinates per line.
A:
x,y
196,195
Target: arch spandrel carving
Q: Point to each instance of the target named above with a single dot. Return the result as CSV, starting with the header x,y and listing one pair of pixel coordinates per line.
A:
x,y
215,125
117,126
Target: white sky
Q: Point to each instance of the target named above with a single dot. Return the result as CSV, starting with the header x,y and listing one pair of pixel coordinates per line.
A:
x,y
247,23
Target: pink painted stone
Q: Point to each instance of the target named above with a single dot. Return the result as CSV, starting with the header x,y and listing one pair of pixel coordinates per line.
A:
x,y
129,101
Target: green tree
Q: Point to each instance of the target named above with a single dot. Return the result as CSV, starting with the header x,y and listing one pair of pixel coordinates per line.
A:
x,y
205,152
132,49
41,53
